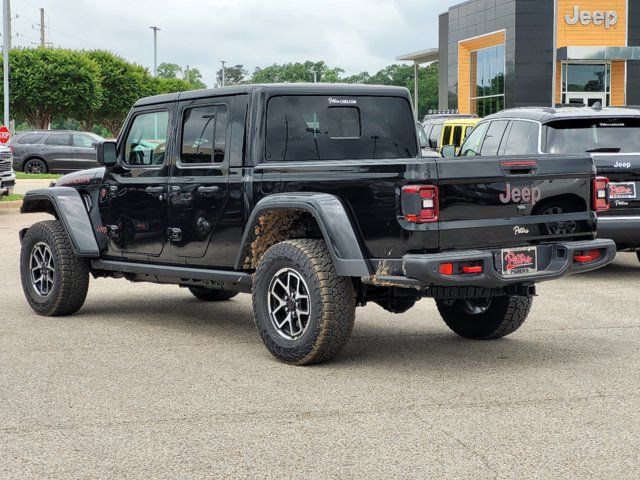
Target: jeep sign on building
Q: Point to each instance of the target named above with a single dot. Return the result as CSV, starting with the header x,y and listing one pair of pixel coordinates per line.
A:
x,y
496,54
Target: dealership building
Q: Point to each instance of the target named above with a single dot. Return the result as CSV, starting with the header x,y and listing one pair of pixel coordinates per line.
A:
x,y
496,54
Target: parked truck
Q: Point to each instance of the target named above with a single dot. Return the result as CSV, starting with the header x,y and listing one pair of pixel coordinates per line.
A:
x,y
315,199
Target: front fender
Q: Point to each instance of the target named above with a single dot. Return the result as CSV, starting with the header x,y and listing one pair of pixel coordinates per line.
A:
x,y
334,223
67,206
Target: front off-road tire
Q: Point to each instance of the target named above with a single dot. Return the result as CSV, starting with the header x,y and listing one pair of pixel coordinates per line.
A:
x,y
212,294
485,319
303,310
54,280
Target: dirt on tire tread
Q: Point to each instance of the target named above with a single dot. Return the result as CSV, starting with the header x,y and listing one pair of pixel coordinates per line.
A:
x,y
337,294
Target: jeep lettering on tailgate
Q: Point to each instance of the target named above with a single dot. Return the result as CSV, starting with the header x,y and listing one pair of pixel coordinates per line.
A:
x,y
530,195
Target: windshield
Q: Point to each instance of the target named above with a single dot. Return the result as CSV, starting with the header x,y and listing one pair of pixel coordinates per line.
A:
x,y
339,128
605,135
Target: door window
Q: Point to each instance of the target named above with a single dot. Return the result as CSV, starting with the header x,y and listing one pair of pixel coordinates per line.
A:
x,y
59,139
204,135
522,139
457,136
83,141
434,136
147,139
446,137
492,140
471,146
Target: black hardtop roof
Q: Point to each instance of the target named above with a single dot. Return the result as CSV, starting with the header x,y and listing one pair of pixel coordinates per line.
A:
x,y
338,89
549,114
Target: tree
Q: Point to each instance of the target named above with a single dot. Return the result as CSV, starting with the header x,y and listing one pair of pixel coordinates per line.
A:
x,y
297,72
194,77
122,84
159,86
168,70
235,75
47,83
403,76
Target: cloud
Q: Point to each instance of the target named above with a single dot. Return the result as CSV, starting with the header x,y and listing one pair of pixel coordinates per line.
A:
x,y
356,35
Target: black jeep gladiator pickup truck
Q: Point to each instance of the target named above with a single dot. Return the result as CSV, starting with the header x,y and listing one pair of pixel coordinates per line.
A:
x,y
610,135
314,198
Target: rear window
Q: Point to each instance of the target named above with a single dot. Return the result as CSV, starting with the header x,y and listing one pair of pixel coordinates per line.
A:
x,y
339,128
606,135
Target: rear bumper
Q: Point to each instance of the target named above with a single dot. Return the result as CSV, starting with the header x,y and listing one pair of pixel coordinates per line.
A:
x,y
554,260
625,231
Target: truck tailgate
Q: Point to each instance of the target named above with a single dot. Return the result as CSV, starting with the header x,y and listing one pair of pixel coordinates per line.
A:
x,y
513,201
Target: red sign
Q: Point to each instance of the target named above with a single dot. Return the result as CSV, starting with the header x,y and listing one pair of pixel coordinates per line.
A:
x,y
4,135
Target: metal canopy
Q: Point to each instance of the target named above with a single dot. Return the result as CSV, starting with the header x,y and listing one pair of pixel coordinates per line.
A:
x,y
418,58
423,56
599,53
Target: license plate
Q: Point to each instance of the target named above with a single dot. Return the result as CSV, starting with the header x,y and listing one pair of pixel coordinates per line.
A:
x,y
519,261
622,191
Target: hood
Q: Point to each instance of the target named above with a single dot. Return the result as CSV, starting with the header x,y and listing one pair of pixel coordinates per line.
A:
x,y
81,178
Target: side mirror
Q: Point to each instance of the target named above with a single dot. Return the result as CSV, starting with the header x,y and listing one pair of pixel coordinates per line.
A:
x,y
448,151
423,143
106,153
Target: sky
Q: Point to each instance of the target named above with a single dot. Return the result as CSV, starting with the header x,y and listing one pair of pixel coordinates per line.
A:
x,y
356,35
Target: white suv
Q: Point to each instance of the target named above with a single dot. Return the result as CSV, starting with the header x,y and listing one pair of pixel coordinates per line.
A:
x,y
7,177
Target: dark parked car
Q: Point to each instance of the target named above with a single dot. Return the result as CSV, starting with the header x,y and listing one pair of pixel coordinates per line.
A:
x,y
53,151
610,135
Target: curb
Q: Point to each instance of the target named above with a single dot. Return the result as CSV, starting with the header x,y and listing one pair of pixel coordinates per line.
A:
x,y
12,205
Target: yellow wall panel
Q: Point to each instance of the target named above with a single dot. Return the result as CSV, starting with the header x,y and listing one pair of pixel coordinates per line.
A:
x,y
591,34
618,74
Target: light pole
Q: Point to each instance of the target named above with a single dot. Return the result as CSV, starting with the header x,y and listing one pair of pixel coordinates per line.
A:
x,y
6,46
155,50
222,76
315,76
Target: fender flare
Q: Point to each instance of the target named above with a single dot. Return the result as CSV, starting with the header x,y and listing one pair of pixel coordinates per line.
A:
x,y
67,206
334,223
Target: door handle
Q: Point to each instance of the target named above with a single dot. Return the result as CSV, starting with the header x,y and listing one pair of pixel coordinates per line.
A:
x,y
208,191
154,190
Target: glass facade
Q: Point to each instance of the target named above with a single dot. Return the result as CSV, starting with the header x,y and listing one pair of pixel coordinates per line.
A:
x,y
487,80
588,78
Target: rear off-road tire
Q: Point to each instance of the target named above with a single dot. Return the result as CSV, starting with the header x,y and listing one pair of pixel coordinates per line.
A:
x,y
54,279
485,319
303,310
211,294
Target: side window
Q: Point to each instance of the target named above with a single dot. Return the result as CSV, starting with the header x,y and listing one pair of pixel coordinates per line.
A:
x,y
492,140
471,146
457,136
82,141
30,139
59,139
434,136
146,140
522,139
446,136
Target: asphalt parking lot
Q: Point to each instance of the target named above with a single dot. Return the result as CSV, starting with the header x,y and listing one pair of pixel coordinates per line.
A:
x,y
147,382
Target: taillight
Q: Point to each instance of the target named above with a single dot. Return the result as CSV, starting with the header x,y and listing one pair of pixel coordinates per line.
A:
x,y
586,256
461,268
601,194
420,203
